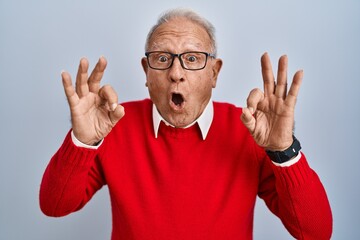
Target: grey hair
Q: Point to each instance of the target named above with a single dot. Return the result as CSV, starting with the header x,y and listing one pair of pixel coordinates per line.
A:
x,y
187,14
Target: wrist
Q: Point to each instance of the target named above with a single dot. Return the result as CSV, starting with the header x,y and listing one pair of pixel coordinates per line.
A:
x,y
78,143
287,154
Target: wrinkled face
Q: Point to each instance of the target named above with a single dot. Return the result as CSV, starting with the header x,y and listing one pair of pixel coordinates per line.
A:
x,y
181,95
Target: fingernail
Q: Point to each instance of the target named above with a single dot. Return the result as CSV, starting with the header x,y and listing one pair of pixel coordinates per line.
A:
x,y
113,106
251,110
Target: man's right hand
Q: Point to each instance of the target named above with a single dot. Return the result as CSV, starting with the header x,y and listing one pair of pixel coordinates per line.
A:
x,y
94,109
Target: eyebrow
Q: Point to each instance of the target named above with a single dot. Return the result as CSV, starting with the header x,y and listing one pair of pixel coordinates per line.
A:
x,y
188,47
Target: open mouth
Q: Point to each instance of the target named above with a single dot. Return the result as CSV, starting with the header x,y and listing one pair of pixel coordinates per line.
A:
x,y
177,99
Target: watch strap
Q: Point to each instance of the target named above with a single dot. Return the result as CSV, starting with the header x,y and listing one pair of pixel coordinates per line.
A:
x,y
287,154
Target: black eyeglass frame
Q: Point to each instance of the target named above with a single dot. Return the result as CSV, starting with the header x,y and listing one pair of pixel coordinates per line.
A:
x,y
173,55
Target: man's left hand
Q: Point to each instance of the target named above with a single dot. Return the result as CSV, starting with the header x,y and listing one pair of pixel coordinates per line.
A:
x,y
269,115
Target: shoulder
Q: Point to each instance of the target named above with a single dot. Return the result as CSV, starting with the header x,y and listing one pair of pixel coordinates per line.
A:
x,y
226,109
227,118
138,117
138,107
137,104
136,111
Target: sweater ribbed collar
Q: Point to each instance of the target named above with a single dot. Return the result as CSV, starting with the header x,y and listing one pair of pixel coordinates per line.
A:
x,y
204,121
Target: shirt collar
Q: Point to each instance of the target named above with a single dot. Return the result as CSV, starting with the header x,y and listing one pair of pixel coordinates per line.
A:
x,y
204,121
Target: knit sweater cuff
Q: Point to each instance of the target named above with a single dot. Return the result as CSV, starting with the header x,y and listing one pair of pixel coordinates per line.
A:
x,y
75,155
294,175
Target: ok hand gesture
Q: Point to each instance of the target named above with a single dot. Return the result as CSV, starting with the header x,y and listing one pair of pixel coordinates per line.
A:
x,y
94,109
269,115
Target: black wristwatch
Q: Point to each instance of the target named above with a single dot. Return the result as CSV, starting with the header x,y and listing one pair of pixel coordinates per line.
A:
x,y
287,154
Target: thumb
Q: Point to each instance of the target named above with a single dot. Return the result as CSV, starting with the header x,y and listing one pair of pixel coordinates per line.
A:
x,y
248,119
117,114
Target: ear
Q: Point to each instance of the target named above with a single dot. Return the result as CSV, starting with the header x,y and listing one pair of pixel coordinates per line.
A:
x,y
216,67
145,68
144,64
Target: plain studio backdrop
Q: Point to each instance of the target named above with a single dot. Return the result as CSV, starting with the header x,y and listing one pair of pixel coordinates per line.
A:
x,y
39,39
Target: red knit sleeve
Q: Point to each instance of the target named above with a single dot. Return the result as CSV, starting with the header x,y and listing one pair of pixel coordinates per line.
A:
x,y
296,195
70,179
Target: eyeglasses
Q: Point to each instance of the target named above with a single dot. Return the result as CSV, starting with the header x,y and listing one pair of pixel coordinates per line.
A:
x,y
189,60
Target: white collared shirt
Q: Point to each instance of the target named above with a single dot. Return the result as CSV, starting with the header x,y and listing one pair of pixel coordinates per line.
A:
x,y
204,121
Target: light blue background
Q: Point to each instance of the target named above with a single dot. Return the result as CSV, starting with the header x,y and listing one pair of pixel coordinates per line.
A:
x,y
38,39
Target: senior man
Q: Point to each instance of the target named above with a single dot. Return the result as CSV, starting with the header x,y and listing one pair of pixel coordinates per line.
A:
x,y
178,165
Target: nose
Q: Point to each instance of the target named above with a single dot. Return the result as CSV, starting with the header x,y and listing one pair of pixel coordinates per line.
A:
x,y
176,72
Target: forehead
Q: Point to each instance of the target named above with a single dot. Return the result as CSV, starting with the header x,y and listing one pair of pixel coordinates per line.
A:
x,y
180,34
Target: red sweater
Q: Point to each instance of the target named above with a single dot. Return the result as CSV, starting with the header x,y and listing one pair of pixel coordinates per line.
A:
x,y
179,186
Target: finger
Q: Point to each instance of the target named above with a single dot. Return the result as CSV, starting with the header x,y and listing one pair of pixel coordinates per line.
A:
x,y
255,96
248,119
294,89
70,93
82,87
267,74
96,75
281,82
117,114
109,97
